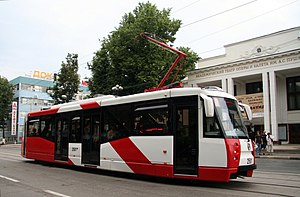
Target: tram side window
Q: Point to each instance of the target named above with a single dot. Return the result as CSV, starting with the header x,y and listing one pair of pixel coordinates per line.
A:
x,y
75,129
96,128
211,127
47,128
87,136
34,127
116,123
151,120
65,131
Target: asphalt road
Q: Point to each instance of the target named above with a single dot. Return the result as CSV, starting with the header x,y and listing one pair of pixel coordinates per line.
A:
x,y
278,166
27,178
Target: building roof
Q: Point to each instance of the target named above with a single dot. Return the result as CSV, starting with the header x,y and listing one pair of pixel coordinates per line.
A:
x,y
40,82
32,81
255,48
264,36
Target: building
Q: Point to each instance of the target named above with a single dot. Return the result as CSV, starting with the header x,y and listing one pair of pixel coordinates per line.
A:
x,y
265,73
31,95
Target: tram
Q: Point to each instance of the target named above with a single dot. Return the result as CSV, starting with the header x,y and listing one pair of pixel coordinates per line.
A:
x,y
187,133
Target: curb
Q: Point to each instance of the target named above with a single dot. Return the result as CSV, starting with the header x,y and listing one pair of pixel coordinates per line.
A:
x,y
279,157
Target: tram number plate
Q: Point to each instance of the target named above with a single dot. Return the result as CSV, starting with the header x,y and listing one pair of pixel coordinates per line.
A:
x,y
249,160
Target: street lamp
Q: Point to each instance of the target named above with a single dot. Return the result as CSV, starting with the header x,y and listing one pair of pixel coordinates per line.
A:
x,y
117,88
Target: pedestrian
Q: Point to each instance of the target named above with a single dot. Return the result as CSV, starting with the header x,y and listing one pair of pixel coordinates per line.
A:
x,y
270,143
264,140
258,142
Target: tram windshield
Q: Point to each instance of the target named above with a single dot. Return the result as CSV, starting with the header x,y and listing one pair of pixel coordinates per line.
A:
x,y
230,117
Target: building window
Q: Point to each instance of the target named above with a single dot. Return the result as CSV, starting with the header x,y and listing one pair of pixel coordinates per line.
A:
x,y
26,87
293,93
234,90
16,87
24,100
22,114
39,88
255,87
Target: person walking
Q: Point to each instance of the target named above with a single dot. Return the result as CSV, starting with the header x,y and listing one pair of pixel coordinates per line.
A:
x,y
258,142
264,140
270,143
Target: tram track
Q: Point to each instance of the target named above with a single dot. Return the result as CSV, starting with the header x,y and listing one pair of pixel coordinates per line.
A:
x,y
261,188
264,179
277,188
278,173
265,193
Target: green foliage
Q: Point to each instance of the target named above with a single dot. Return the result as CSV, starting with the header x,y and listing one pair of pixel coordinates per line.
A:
x,y
6,98
68,80
127,59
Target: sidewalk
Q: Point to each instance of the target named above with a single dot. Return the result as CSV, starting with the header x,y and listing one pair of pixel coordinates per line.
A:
x,y
284,151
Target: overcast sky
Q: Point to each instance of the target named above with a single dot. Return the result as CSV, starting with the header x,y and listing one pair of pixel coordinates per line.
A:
x,y
38,34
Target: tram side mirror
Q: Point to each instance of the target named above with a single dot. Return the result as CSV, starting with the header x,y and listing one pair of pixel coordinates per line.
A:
x,y
208,106
247,110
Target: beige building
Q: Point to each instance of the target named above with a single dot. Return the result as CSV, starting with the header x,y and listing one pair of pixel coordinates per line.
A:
x,y
265,73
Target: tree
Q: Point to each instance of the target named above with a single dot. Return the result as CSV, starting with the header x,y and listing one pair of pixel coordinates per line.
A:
x,y
127,59
6,97
68,80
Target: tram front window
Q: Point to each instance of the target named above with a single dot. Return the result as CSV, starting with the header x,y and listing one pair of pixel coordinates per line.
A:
x,y
230,117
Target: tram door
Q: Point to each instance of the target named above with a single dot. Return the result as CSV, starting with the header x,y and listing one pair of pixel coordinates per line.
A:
x,y
90,140
186,139
62,139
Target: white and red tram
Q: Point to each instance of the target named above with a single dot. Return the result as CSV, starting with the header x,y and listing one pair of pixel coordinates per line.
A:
x,y
189,133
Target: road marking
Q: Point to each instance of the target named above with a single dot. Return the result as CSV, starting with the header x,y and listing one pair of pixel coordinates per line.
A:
x,y
11,154
55,193
11,159
10,179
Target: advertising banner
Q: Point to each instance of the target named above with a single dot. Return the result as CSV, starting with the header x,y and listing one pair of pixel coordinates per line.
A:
x,y
14,108
255,101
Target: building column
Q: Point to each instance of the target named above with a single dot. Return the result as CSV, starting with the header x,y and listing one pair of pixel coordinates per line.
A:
x,y
224,85
230,86
273,101
265,78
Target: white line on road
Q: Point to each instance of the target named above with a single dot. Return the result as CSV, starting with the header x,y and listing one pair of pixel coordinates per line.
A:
x,y
13,160
10,179
11,154
55,193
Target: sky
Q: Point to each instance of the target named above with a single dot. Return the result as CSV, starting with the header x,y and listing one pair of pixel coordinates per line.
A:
x,y
38,34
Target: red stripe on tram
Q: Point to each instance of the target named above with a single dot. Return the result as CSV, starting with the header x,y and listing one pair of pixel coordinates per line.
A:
x,y
89,105
130,153
43,112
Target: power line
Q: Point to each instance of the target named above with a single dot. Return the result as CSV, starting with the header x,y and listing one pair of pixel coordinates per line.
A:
x,y
186,6
87,55
244,21
189,23
285,44
220,29
211,16
211,50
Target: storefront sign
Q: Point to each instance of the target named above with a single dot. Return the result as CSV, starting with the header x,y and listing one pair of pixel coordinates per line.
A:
x,y
246,67
255,101
14,118
42,75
